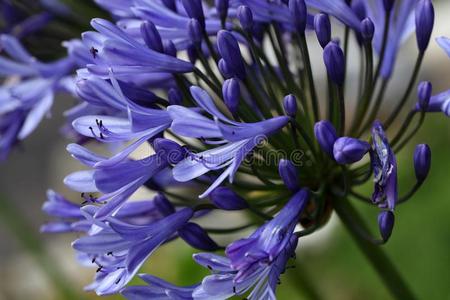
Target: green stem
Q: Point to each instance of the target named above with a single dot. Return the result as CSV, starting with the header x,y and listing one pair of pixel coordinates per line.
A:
x,y
379,260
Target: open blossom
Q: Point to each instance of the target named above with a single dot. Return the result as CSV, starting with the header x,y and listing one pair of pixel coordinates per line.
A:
x,y
225,95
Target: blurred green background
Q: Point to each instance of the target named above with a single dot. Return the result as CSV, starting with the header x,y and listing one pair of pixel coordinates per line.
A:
x,y
329,265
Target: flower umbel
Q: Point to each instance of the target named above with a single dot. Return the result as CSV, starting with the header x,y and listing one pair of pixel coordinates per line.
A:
x,y
225,97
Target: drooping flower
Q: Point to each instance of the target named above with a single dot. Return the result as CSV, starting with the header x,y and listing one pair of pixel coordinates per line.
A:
x,y
384,166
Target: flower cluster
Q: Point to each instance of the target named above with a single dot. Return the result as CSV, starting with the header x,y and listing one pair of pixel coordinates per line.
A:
x,y
214,90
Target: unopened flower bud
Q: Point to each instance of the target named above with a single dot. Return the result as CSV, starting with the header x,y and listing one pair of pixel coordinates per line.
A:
x,y
245,16
222,8
288,172
151,36
194,9
322,27
231,54
226,199
424,23
231,91
299,14
197,237
386,220
367,29
326,136
348,150
422,161
290,105
224,69
334,60
424,94
195,31
169,48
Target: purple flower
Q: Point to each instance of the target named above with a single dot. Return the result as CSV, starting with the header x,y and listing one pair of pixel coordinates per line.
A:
x,y
236,139
120,248
384,166
255,263
26,101
120,52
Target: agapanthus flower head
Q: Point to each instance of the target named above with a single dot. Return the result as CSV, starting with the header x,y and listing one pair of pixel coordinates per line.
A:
x,y
226,98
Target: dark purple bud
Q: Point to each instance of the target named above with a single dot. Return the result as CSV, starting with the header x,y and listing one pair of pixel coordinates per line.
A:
x,y
388,4
290,105
245,16
367,29
386,220
226,199
322,27
359,8
422,161
326,136
197,237
194,9
424,23
299,14
348,150
151,36
334,60
170,4
424,90
231,91
222,8
169,150
288,172
163,205
231,54
170,49
192,54
195,31
175,96
224,70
